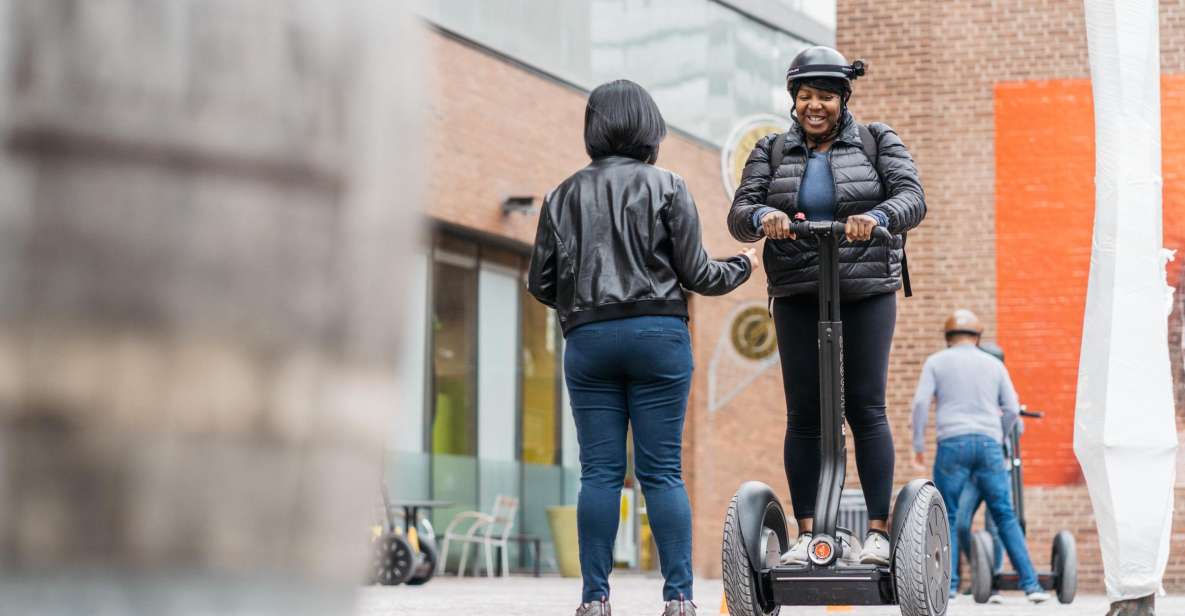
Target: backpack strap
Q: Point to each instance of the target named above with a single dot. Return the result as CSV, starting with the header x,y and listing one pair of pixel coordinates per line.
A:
x,y
869,144
776,152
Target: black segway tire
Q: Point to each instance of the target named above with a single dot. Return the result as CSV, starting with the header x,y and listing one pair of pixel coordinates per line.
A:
x,y
981,566
741,591
393,560
921,554
1065,566
427,567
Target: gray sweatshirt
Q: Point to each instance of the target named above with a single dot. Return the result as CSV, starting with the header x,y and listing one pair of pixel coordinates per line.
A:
x,y
972,388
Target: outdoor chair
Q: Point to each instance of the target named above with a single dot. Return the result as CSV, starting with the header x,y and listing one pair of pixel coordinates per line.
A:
x,y
489,530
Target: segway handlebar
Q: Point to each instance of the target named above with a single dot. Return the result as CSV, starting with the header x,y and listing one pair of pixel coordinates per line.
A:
x,y
807,227
1034,414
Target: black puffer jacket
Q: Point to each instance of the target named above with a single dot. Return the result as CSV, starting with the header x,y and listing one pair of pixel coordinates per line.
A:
x,y
866,268
621,238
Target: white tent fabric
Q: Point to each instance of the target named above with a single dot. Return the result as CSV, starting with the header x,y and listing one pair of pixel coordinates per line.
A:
x,y
1125,437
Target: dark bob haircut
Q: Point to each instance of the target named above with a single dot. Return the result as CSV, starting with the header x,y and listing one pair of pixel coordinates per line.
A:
x,y
622,120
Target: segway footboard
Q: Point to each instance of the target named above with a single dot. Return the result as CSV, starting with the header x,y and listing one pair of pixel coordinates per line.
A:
x,y
1011,580
839,585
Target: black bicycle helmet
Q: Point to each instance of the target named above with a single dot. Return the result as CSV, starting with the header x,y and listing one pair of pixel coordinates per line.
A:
x,y
823,61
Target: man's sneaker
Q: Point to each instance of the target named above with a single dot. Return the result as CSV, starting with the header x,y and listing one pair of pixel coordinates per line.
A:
x,y
797,554
995,599
600,608
876,549
1039,596
679,607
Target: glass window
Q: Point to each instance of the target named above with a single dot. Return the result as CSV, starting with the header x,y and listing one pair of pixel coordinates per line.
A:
x,y
454,348
540,383
497,355
706,64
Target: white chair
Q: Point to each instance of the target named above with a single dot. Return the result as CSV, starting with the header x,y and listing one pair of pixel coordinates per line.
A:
x,y
490,530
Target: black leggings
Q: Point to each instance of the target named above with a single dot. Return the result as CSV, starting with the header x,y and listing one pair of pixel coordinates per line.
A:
x,y
867,335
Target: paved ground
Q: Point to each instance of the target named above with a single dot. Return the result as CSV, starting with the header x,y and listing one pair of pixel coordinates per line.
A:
x,y
635,595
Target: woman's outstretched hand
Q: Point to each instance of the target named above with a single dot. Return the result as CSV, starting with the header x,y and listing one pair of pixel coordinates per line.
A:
x,y
751,255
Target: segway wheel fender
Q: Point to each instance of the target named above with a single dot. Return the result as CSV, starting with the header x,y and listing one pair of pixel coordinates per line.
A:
x,y
427,566
921,552
742,590
981,566
1065,566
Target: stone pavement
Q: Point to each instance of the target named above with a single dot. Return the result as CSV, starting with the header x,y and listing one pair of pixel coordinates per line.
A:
x,y
636,595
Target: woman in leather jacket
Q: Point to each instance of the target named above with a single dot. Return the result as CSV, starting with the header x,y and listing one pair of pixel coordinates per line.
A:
x,y
617,248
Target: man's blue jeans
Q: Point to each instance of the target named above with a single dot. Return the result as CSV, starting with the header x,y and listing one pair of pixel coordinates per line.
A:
x,y
632,372
978,459
969,503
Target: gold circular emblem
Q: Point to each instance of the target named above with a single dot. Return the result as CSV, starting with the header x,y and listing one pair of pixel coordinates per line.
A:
x,y
752,333
740,143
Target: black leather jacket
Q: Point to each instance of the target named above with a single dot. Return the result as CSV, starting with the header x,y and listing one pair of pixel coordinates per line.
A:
x,y
621,238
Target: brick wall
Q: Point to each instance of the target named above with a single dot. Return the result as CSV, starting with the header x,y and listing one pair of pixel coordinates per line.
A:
x,y
934,70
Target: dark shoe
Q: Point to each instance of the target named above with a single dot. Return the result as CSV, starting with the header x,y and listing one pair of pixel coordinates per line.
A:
x,y
600,608
679,607
1144,606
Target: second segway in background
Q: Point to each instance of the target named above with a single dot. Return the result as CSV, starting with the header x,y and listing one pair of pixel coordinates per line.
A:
x,y
403,547
1063,574
918,576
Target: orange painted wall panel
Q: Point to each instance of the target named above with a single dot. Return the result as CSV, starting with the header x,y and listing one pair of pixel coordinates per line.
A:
x,y
1044,138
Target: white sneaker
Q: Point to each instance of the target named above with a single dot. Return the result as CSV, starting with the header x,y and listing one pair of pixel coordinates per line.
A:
x,y
797,554
1037,597
876,549
996,599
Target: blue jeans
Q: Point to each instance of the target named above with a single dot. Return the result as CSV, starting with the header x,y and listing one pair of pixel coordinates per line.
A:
x,y
969,503
631,372
978,459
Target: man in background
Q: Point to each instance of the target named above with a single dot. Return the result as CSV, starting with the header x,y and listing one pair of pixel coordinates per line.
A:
x,y
972,389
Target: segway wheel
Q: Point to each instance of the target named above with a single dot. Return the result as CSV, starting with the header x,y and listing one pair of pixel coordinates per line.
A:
x,y
1065,565
981,566
741,591
427,567
394,560
921,556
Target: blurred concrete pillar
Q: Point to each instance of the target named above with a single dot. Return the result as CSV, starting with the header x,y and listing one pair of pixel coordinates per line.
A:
x,y
203,212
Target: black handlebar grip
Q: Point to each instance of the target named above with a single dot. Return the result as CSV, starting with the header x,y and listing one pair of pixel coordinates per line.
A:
x,y
1033,414
805,227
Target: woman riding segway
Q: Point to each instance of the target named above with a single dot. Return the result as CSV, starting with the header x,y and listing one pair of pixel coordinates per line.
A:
x,y
833,198
825,170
